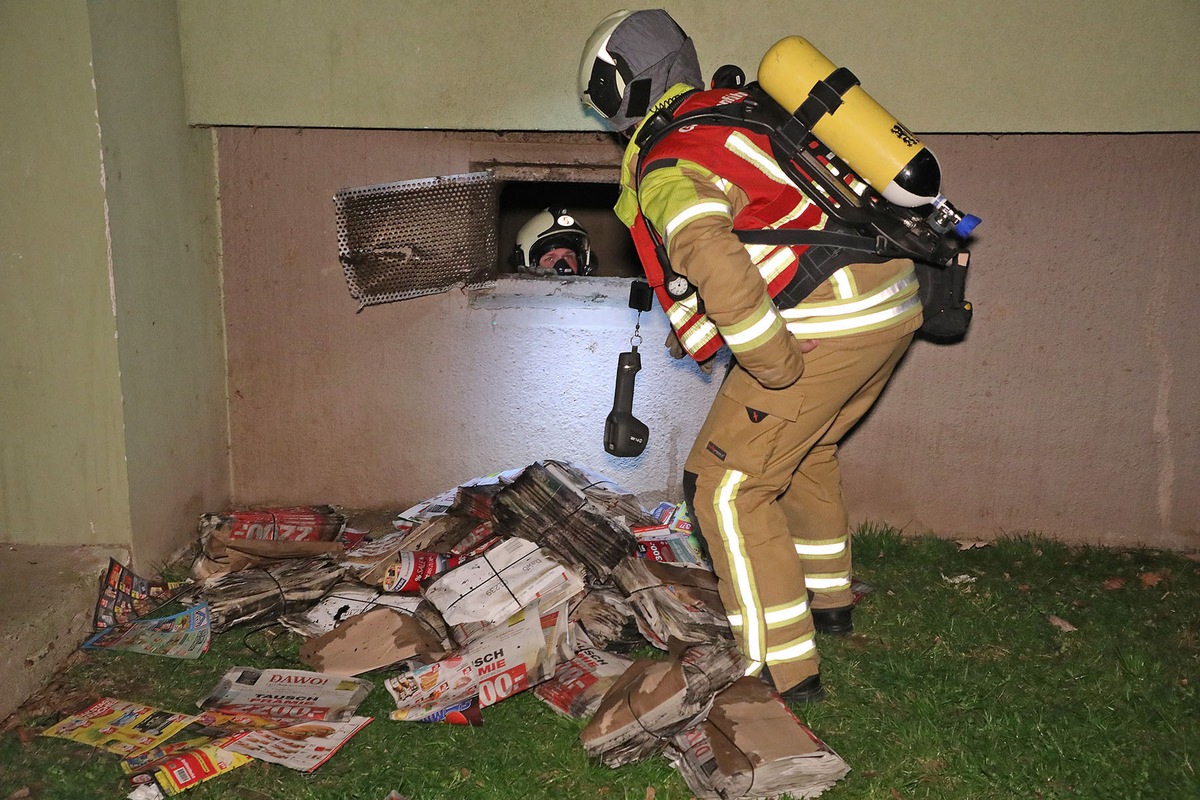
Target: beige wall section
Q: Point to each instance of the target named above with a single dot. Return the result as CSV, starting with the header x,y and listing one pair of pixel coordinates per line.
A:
x,y
62,450
163,216
940,65
1069,410
404,400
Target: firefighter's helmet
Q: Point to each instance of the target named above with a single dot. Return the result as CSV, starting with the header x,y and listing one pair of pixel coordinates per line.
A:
x,y
546,235
631,60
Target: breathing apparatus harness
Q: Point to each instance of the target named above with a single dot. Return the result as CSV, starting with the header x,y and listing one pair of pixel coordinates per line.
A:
x,y
862,227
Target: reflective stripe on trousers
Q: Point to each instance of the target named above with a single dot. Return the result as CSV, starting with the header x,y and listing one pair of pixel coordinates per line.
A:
x,y
767,497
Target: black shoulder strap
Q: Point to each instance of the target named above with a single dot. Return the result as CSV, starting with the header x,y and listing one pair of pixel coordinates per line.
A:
x,y
828,252
824,98
787,236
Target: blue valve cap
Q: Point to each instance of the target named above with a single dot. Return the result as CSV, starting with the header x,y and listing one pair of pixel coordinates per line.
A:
x,y
966,225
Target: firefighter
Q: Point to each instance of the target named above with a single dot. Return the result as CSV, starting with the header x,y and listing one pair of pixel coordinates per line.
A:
x,y
762,478
553,242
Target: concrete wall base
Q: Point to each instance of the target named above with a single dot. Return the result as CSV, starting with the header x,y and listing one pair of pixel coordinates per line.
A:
x,y
48,596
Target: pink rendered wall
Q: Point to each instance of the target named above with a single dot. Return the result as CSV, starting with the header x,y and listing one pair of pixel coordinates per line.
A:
x,y
1069,410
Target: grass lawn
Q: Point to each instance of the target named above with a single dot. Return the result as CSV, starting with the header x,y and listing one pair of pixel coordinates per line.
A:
x,y
1023,669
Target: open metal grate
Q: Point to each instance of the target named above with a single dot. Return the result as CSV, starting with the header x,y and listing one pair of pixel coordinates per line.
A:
x,y
412,238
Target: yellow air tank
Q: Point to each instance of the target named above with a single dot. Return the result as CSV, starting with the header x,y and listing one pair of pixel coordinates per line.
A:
x,y
883,152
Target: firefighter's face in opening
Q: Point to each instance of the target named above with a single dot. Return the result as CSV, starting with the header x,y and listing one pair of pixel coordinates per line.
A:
x,y
562,260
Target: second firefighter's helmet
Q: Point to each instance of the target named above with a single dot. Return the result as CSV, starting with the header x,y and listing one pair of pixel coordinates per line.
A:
x,y
553,242
631,60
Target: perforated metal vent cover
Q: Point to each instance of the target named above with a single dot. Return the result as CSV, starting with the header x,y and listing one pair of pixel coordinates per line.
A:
x,y
412,238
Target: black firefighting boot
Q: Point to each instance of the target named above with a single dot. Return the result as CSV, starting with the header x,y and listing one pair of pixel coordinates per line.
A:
x,y
808,690
837,621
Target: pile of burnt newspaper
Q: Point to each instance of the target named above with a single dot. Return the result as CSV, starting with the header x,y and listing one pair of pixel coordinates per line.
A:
x,y
541,578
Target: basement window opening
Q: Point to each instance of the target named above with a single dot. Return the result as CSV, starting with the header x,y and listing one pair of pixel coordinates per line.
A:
x,y
412,238
588,203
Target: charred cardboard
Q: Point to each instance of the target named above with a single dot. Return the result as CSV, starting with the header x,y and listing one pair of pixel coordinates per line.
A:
x,y
378,638
656,699
692,585
751,746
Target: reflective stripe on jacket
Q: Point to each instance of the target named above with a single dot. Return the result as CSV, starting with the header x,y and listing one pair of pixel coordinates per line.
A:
x,y
703,181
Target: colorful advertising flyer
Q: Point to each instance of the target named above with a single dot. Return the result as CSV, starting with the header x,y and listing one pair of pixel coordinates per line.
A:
x,y
187,768
287,694
125,596
127,729
183,635
301,747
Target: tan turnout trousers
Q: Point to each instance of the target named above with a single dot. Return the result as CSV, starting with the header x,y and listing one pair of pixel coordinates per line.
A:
x,y
768,499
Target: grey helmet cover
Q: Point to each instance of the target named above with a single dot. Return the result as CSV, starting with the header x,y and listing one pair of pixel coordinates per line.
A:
x,y
631,60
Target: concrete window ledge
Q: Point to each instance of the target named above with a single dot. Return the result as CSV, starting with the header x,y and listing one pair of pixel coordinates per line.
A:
x,y
532,292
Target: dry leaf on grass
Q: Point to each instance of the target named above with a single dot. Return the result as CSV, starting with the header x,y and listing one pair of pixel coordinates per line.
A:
x,y
1150,579
1061,624
970,544
650,793
1115,583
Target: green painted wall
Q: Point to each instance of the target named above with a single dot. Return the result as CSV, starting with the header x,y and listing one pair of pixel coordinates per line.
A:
x,y
940,65
113,426
62,449
163,218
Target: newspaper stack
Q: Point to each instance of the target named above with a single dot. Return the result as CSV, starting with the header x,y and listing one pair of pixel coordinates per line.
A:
x,y
470,499
295,524
255,594
672,601
501,582
447,533
609,498
476,500
654,700
245,538
560,507
608,618
372,554
751,746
